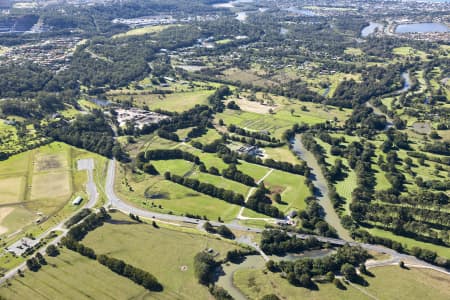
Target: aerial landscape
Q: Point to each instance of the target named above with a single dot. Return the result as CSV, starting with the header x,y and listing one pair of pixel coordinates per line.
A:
x,y
216,149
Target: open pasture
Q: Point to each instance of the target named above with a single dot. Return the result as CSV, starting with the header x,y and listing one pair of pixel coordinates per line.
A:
x,y
165,252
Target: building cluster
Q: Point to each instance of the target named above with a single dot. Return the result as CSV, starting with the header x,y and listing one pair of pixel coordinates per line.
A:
x,y
162,20
251,150
53,53
139,117
22,246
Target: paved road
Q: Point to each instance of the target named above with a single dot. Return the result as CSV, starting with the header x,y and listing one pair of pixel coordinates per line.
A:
x,y
88,165
117,203
320,183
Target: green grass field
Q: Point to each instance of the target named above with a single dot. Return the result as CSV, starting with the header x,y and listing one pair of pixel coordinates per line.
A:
x,y
281,154
387,283
179,101
209,137
166,253
409,243
143,30
169,197
291,187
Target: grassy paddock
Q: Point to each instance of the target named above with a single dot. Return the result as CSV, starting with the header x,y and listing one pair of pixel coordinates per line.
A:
x,y
177,102
166,253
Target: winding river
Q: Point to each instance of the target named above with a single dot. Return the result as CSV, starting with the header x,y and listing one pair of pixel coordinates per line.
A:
x,y
406,83
320,183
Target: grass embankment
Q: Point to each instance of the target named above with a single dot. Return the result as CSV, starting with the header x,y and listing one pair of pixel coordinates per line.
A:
x,y
440,250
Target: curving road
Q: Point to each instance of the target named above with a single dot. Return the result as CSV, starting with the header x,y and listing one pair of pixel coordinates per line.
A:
x,y
117,203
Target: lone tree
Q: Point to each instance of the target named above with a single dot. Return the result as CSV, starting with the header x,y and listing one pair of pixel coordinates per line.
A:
x,y
348,271
41,259
52,250
277,198
225,232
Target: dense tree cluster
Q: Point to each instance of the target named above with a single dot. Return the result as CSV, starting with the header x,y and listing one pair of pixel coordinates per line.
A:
x,y
253,134
204,266
376,81
91,132
300,272
260,202
90,223
83,213
312,219
216,99
234,174
279,242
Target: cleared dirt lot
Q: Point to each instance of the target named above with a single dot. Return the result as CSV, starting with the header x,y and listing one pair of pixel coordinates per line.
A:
x,y
50,185
254,106
50,162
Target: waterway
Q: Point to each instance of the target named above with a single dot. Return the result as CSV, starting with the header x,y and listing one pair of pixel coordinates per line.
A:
x,y
321,185
241,16
230,4
368,30
422,28
406,82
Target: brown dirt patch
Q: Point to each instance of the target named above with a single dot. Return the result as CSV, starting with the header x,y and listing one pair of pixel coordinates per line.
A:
x,y
276,190
254,106
4,212
422,127
50,162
